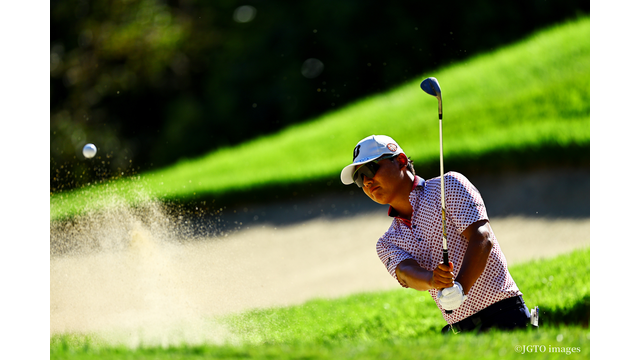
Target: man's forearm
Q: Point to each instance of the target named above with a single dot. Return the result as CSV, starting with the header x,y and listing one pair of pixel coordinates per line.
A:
x,y
476,256
411,274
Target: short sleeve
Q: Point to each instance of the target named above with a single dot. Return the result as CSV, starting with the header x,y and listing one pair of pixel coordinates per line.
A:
x,y
390,254
465,205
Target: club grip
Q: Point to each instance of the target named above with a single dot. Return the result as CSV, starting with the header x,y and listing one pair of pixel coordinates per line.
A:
x,y
445,259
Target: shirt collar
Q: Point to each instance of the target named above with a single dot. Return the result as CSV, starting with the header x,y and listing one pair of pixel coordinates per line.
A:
x,y
417,181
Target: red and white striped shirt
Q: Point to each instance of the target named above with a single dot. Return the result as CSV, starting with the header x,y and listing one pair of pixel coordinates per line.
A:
x,y
421,239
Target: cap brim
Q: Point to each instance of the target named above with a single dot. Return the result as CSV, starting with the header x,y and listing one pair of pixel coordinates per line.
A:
x,y
347,173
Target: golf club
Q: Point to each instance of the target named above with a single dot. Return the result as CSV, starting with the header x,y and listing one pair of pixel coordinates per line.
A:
x,y
431,87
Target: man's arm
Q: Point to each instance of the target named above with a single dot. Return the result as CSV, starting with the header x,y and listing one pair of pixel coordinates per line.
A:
x,y
411,274
475,258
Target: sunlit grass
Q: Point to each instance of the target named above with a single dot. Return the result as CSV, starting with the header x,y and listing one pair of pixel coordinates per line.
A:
x,y
556,342
532,95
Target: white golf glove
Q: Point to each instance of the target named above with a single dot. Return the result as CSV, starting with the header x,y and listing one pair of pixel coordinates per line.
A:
x,y
452,297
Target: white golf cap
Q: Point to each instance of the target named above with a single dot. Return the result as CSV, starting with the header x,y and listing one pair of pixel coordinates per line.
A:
x,y
369,149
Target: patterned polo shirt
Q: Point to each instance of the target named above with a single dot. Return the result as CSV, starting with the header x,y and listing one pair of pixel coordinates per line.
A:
x,y
421,239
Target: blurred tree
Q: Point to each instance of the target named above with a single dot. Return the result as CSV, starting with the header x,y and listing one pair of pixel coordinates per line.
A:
x,y
113,65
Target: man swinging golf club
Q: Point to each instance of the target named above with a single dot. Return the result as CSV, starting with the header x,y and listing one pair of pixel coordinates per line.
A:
x,y
474,290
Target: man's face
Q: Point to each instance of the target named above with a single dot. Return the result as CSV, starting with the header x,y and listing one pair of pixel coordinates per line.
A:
x,y
385,184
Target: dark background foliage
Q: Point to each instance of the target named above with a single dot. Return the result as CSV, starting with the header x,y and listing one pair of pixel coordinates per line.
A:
x,y
151,82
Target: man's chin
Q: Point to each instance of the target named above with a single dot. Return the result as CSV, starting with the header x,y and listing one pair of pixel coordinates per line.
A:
x,y
379,199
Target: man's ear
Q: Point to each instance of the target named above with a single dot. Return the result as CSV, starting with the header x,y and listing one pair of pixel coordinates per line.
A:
x,y
402,160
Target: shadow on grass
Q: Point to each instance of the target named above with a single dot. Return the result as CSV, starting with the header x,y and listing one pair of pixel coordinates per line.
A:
x,y
578,313
498,161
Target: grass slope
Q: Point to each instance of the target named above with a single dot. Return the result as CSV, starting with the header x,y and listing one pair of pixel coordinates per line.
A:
x,y
400,324
528,99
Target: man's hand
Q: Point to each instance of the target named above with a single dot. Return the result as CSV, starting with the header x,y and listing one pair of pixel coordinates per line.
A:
x,y
411,274
452,297
442,276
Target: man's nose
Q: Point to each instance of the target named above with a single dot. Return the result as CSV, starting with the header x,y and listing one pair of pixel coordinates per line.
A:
x,y
366,180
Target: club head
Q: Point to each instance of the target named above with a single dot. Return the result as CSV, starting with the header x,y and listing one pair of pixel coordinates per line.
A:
x,y
431,86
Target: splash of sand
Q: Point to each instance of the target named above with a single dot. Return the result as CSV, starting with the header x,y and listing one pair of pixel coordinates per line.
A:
x,y
121,275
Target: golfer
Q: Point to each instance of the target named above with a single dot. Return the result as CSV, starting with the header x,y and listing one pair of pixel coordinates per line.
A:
x,y
475,287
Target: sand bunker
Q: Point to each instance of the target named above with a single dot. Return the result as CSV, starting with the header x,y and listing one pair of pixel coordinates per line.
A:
x,y
146,286
140,275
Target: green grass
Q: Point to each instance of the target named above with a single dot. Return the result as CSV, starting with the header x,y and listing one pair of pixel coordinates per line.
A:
x,y
575,341
399,324
527,100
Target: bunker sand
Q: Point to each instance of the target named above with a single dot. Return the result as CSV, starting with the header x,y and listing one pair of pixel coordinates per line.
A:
x,y
153,283
136,276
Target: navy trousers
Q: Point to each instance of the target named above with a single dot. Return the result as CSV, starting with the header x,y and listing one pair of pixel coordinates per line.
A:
x,y
507,314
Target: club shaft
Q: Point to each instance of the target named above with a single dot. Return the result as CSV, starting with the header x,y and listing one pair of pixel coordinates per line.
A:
x,y
445,251
442,202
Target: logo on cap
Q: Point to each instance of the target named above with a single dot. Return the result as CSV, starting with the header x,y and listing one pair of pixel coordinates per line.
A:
x,y
393,147
356,152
